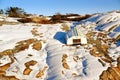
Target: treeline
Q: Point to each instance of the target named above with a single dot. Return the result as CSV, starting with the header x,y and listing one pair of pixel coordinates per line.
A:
x,y
68,17
56,18
14,12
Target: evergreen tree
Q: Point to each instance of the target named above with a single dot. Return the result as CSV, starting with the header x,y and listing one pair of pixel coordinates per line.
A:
x,y
15,12
1,11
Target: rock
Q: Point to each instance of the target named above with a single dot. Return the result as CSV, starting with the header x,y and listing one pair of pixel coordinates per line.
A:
x,y
27,71
30,63
66,66
112,73
37,45
8,78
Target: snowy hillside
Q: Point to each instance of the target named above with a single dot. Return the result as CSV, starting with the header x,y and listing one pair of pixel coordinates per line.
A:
x,y
107,22
33,51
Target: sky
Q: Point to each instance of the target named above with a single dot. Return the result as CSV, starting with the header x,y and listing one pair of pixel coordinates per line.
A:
x,y
50,7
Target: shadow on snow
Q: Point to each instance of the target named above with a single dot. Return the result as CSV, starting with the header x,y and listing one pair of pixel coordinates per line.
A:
x,y
60,36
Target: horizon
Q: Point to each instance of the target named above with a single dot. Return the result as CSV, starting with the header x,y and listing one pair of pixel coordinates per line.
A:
x,y
64,6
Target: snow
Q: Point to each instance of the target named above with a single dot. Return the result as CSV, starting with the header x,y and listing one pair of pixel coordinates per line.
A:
x,y
9,35
118,43
72,17
22,58
110,25
114,35
117,29
81,64
4,60
10,19
86,67
108,22
114,51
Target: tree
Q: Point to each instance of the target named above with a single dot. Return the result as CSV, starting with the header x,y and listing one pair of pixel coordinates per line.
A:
x,y
56,18
1,11
15,12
